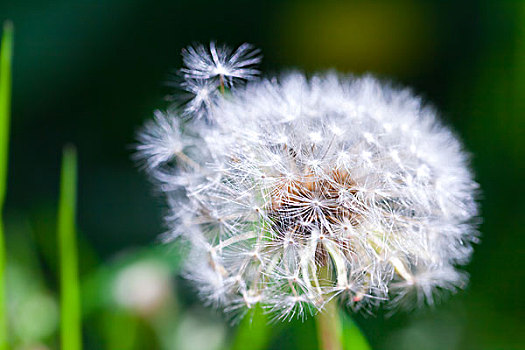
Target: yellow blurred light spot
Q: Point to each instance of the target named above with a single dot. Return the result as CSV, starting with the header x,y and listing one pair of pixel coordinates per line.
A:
x,y
359,36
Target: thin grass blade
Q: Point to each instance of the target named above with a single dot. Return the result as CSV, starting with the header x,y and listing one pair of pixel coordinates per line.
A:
x,y
6,53
70,314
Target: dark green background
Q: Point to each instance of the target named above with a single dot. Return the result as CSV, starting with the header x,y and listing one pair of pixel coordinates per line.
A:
x,y
90,72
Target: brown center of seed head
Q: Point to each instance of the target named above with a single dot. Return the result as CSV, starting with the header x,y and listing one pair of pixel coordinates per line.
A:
x,y
309,202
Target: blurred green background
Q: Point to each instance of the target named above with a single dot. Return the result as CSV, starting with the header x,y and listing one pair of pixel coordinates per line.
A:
x,y
91,71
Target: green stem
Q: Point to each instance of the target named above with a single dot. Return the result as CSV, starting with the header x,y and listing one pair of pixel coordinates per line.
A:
x,y
221,86
329,330
70,335
5,111
329,327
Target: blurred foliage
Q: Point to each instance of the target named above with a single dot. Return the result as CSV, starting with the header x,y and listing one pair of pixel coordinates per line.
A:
x,y
90,72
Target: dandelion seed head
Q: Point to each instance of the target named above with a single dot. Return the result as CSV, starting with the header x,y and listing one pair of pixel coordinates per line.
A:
x,y
302,190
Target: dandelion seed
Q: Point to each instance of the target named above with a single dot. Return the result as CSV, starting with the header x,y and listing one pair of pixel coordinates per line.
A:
x,y
203,96
220,63
160,140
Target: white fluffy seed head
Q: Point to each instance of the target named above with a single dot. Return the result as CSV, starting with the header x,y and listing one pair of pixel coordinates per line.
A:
x,y
302,190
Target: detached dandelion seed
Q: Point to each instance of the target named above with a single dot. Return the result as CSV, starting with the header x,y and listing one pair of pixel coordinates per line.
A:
x,y
220,63
203,93
306,190
208,71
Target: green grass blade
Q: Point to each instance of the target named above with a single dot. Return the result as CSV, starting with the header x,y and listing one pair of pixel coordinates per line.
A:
x,y
353,338
253,332
6,52
70,315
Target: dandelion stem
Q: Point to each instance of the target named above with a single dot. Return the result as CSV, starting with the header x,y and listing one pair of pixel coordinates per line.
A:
x,y
184,158
221,79
69,294
5,110
335,329
329,328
